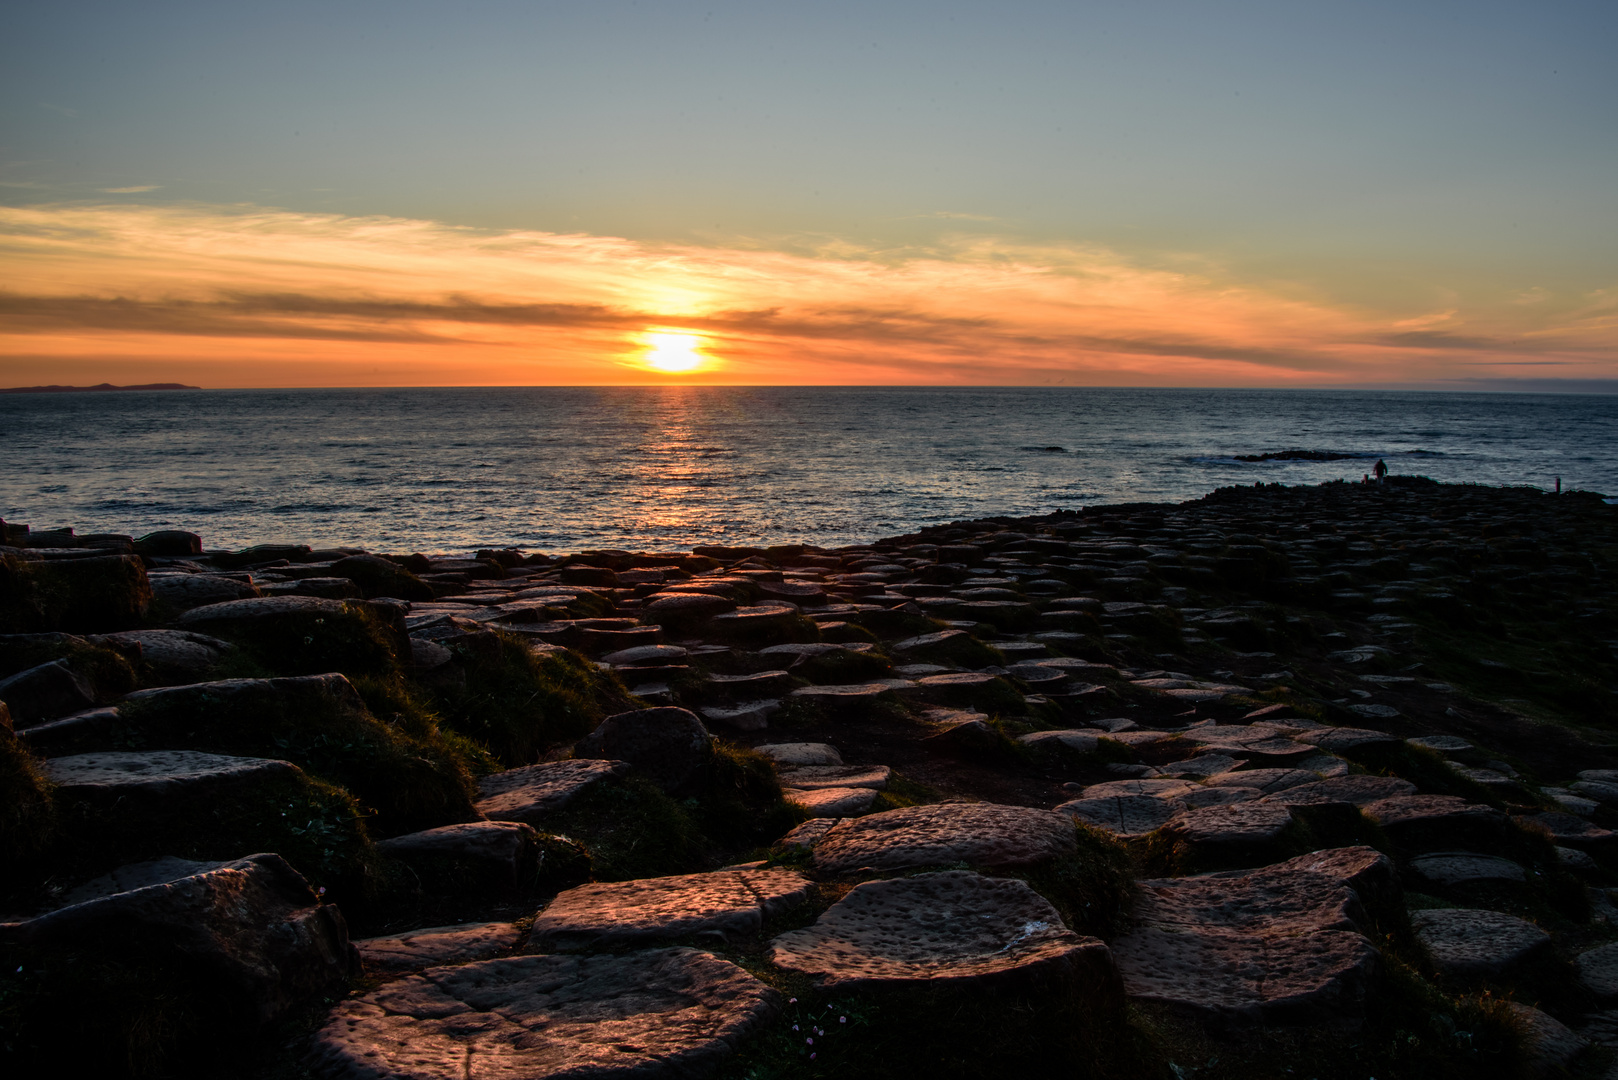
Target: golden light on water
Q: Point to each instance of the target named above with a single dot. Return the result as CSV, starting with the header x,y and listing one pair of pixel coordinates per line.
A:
x,y
672,352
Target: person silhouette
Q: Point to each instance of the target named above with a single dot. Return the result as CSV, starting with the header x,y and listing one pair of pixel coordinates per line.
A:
x,y
1380,469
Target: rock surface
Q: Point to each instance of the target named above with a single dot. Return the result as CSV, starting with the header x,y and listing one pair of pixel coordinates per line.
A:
x,y
668,746
663,1012
978,834
529,793
728,905
952,927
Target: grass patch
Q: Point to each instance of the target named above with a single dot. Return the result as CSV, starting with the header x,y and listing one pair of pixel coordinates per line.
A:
x,y
27,812
1091,888
355,641
632,830
844,666
409,779
518,703
108,672
1042,1030
315,826
90,595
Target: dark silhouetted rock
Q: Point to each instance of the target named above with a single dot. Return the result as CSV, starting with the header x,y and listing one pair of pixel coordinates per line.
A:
x,y
45,692
668,746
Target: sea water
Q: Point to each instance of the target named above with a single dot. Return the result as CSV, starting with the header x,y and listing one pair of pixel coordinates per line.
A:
x,y
671,467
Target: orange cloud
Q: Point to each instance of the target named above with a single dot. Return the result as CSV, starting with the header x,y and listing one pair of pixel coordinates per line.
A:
x,y
243,296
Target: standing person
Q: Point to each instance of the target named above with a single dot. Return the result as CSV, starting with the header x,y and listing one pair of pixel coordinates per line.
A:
x,y
1380,469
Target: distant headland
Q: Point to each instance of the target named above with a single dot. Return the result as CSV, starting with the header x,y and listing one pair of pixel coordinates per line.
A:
x,y
93,389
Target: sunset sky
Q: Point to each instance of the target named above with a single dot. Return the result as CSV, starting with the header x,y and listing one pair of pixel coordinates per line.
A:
x,y
1147,193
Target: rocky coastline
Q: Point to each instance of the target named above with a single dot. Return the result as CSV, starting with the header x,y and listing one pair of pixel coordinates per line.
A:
x,y
1319,781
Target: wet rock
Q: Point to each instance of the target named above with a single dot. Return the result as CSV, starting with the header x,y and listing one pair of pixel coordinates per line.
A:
x,y
950,928
1473,943
45,692
977,834
433,946
728,905
668,746
253,929
1417,823
533,791
658,1013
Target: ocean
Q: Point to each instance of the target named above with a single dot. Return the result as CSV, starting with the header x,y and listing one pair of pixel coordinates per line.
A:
x,y
669,467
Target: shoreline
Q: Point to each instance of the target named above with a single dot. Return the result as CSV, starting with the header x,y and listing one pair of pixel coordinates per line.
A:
x,y
1387,674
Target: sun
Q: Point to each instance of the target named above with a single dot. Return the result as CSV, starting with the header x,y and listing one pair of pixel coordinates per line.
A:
x,y
674,353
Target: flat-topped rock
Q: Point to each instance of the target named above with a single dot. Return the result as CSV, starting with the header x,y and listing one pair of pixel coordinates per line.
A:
x,y
1201,766
1324,976
138,875
263,607
1280,944
1076,740
1269,781
832,802
186,591
252,928
806,777
505,848
433,946
646,654
1162,789
1354,790
668,746
1341,739
1429,823
684,609
1452,868
105,778
1568,830
1125,816
659,1013
180,649
1232,832
529,793
744,716
1475,943
978,834
729,905
801,753
1598,970
950,928
850,692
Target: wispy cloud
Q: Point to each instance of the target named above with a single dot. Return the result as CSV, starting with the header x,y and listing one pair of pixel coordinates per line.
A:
x,y
136,190
248,290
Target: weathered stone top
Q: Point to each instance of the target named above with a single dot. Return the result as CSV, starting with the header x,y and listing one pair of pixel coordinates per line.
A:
x,y
978,834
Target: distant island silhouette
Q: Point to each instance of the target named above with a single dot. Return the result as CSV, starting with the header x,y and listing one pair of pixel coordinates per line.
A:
x,y
93,389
